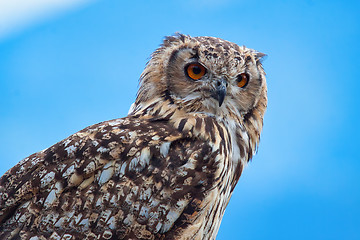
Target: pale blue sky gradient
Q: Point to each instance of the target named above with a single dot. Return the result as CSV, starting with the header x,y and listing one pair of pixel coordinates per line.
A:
x,y
82,68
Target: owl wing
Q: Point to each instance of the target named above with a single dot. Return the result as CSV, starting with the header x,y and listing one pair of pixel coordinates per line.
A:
x,y
133,178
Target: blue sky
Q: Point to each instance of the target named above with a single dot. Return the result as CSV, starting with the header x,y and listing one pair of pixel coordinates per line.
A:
x,y
81,67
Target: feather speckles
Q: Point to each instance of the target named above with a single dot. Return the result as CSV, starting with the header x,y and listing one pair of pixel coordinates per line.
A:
x,y
106,173
166,171
164,148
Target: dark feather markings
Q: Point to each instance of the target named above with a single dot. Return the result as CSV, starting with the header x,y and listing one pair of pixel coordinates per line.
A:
x,y
182,124
209,128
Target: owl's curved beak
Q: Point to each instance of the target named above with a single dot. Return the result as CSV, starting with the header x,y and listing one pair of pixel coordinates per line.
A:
x,y
220,91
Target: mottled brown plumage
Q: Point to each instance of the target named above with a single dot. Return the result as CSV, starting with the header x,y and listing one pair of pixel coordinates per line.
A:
x,y
166,171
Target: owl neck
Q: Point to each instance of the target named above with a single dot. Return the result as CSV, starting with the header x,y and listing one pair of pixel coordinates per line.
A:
x,y
245,128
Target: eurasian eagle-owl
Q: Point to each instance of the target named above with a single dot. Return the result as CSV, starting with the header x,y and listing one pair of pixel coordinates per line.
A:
x,y
166,171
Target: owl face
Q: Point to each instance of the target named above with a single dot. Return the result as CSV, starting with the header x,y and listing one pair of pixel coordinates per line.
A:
x,y
206,74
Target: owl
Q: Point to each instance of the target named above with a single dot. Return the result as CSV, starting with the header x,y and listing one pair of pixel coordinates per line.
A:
x,y
166,171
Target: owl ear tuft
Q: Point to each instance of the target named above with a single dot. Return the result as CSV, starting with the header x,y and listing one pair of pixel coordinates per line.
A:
x,y
177,37
260,57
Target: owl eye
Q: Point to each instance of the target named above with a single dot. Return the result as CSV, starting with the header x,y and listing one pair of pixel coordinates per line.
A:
x,y
242,80
195,71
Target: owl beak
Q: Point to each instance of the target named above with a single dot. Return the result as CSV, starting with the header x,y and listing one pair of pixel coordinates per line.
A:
x,y
220,91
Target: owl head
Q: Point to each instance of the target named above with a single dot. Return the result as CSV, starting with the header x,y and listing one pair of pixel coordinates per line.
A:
x,y
204,74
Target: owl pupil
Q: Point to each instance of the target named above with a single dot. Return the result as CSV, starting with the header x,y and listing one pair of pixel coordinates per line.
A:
x,y
196,70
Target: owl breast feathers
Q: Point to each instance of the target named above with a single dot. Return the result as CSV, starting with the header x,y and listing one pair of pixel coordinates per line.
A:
x,y
166,171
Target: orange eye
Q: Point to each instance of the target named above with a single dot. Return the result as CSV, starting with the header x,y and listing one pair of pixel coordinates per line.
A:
x,y
242,80
195,71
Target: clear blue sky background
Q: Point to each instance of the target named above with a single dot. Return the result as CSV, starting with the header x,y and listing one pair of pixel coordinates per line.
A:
x,y
81,68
